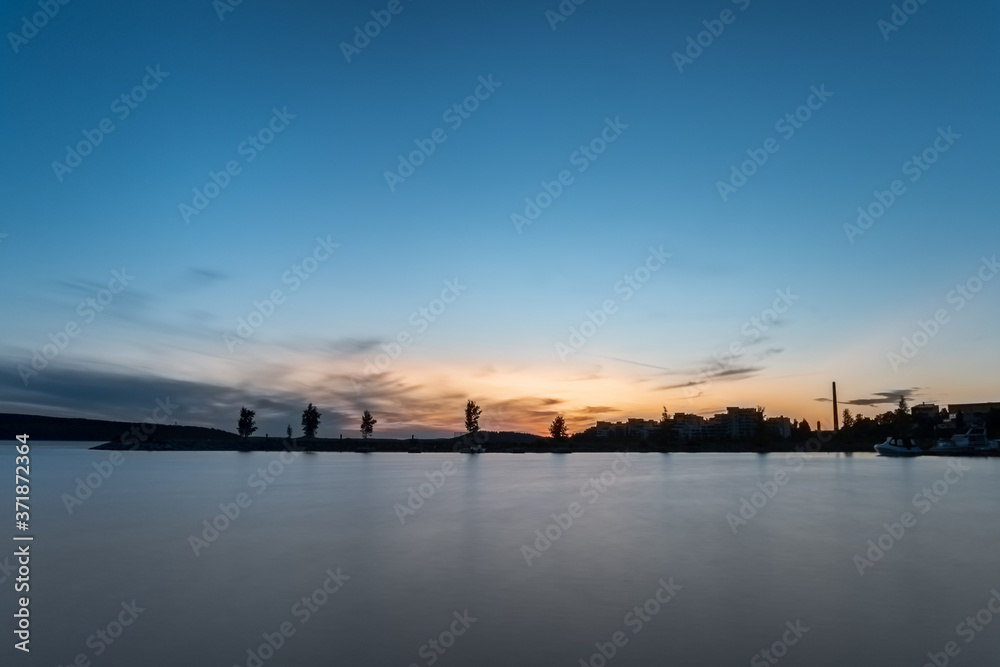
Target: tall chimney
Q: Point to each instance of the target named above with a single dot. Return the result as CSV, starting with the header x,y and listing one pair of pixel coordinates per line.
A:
x,y
835,422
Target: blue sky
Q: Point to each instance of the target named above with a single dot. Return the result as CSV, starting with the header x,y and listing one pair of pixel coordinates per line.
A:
x,y
656,184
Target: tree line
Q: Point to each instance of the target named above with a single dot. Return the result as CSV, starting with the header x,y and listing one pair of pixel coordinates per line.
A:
x,y
247,423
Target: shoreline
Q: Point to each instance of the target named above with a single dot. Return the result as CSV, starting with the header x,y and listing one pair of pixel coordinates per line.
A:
x,y
460,445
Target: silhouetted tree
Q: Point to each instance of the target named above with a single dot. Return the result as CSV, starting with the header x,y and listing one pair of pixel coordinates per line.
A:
x,y
901,417
665,426
804,430
848,419
289,431
246,425
761,436
310,421
902,409
367,424
558,428
472,412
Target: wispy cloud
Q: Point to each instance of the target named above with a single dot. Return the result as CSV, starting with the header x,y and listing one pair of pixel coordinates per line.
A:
x,y
195,277
352,346
711,375
890,397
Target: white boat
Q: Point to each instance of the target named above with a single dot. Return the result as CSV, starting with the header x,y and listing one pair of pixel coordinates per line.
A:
x,y
898,447
973,441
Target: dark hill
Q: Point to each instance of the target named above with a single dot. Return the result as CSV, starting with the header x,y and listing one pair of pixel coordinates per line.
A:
x,y
63,428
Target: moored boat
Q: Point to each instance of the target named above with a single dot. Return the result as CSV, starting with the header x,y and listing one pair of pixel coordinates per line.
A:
x,y
971,443
898,447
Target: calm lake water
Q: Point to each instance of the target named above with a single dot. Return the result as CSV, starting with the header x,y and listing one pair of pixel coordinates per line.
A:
x,y
456,570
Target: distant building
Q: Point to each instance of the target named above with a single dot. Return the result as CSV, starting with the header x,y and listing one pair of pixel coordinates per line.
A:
x,y
734,423
973,408
780,426
688,427
925,410
630,428
644,428
973,414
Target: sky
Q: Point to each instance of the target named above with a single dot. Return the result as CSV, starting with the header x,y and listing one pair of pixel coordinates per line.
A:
x,y
594,210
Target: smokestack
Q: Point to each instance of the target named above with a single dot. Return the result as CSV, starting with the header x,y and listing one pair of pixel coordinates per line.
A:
x,y
835,422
